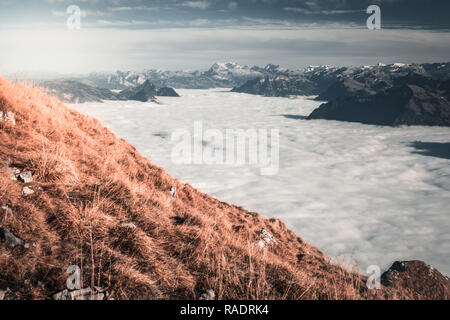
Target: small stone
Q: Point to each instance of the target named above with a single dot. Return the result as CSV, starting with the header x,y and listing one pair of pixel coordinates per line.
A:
x,y
9,117
82,294
130,225
87,294
7,295
208,295
266,239
14,173
173,191
8,210
63,295
261,244
25,177
27,191
10,238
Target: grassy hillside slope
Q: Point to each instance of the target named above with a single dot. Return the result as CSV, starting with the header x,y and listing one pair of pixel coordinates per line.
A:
x,y
99,204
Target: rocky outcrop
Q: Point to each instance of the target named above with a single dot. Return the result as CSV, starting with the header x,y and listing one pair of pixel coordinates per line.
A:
x,y
278,86
166,92
403,105
144,92
422,280
344,88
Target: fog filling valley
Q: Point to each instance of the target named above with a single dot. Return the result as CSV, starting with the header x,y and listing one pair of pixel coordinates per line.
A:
x,y
361,193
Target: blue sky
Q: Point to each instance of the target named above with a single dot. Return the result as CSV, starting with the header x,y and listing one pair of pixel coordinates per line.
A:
x,y
171,34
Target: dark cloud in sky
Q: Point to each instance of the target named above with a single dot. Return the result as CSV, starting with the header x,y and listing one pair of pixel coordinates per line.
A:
x,y
206,13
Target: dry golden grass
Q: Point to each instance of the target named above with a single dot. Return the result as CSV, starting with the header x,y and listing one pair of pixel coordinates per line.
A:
x,y
88,183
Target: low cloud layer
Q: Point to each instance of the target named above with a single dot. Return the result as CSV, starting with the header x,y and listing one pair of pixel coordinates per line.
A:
x,y
356,191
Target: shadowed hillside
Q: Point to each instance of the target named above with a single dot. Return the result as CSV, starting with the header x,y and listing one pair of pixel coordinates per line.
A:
x,y
72,193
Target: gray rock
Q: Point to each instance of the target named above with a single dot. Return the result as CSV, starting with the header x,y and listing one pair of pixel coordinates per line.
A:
x,y
14,172
25,177
208,295
11,239
399,105
27,191
173,191
9,117
8,210
82,294
130,225
266,238
7,295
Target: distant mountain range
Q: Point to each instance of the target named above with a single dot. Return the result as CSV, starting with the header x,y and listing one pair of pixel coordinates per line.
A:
x,y
352,93
219,75
232,75
331,82
98,86
394,94
77,92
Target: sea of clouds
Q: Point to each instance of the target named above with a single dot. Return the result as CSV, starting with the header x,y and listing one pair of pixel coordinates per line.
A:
x,y
358,192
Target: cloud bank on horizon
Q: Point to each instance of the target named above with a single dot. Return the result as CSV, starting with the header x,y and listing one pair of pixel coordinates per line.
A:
x,y
191,34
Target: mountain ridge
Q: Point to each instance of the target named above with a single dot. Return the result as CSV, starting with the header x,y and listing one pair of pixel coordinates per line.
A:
x,y
77,92
368,94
